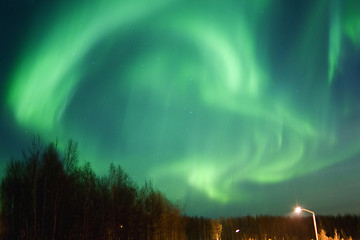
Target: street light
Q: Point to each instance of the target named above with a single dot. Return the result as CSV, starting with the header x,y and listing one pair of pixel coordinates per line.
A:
x,y
299,209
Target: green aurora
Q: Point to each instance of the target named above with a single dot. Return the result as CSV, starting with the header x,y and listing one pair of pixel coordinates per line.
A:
x,y
204,98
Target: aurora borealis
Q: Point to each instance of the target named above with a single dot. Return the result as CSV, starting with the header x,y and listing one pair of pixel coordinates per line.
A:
x,y
231,107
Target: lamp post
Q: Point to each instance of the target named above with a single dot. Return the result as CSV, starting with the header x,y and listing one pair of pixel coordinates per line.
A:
x,y
299,209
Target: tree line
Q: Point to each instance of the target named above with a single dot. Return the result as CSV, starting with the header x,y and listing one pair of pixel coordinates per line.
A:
x,y
290,227
273,227
47,194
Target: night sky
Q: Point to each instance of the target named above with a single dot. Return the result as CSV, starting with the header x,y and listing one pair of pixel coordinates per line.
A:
x,y
229,107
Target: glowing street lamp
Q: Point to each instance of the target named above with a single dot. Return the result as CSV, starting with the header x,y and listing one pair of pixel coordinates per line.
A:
x,y
299,209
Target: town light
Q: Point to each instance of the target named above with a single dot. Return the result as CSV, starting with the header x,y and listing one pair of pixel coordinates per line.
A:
x,y
298,209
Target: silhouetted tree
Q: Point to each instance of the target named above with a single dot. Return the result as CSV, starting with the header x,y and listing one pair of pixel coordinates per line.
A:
x,y
71,160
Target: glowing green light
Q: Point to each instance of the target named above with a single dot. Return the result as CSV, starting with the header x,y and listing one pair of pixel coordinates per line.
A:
x,y
334,40
47,75
194,95
352,21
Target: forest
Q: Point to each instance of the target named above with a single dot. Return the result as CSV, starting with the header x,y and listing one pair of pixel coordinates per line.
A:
x,y
48,194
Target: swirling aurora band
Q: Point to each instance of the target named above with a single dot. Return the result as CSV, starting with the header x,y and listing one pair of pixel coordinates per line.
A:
x,y
200,94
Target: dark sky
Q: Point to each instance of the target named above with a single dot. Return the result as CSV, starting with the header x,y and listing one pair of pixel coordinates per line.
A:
x,y
230,107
